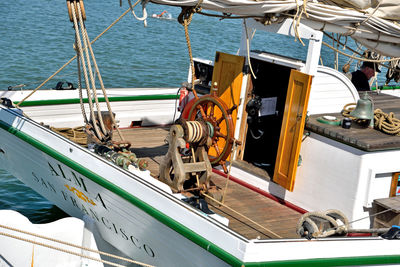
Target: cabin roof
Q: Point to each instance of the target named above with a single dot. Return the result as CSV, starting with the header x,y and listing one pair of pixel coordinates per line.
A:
x,y
359,136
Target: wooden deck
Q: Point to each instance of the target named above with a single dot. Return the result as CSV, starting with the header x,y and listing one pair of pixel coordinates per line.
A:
x,y
149,143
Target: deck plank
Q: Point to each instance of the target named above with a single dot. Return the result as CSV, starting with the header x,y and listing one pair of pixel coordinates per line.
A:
x,y
148,143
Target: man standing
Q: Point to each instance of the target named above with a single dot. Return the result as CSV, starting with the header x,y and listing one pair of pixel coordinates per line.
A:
x,y
361,77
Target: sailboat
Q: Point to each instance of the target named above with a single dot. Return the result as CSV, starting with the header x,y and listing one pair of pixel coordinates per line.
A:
x,y
257,143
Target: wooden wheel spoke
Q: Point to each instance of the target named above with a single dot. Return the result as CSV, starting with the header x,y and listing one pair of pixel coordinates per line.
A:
x,y
216,147
219,134
220,120
200,108
214,111
211,106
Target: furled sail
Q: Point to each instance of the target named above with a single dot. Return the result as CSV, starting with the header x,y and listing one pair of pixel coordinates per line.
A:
x,y
373,23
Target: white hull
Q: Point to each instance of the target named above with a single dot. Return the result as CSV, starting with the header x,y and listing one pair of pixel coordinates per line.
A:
x,y
61,108
141,218
127,227
144,220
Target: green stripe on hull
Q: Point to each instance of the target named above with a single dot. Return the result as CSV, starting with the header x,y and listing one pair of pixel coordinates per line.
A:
x,y
346,261
183,230
101,99
161,217
386,87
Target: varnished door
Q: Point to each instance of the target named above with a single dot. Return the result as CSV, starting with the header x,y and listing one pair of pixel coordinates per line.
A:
x,y
292,129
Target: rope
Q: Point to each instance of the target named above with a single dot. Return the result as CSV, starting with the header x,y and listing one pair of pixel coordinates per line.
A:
x,y
59,249
195,131
144,11
297,18
372,215
248,49
385,122
85,75
270,233
185,18
80,86
347,109
361,58
332,216
88,48
74,57
346,66
336,64
77,134
228,174
353,30
91,89
87,42
43,83
67,244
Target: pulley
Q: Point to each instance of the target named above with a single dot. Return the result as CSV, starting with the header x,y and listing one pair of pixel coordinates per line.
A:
x,y
71,4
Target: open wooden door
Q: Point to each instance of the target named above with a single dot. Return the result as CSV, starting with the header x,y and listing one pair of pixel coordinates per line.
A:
x,y
292,129
228,74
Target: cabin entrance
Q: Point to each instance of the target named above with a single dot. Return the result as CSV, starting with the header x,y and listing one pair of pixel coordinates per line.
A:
x,y
274,112
265,113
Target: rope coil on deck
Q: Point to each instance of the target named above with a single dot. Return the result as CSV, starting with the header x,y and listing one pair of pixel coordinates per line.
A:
x,y
384,122
332,222
77,134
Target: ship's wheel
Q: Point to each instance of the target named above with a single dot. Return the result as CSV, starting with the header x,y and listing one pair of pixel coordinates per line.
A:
x,y
217,115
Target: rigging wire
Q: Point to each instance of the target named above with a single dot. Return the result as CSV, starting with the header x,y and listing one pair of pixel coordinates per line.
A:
x,y
74,57
67,244
185,18
361,58
248,49
85,73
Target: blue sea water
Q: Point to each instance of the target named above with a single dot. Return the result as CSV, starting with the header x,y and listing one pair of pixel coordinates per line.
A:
x,y
36,38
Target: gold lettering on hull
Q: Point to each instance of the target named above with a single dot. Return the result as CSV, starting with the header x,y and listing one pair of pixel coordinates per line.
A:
x,y
80,195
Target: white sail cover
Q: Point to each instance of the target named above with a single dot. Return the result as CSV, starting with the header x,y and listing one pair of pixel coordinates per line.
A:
x,y
370,22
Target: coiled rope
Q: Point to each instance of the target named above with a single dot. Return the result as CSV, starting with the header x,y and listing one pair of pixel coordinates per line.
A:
x,y
339,224
385,122
77,134
195,131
